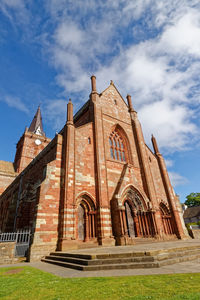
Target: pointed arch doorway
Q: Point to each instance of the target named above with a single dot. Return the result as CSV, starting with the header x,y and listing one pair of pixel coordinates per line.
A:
x,y
137,219
167,220
86,219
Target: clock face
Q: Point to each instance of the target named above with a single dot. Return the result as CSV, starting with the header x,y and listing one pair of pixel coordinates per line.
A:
x,y
38,142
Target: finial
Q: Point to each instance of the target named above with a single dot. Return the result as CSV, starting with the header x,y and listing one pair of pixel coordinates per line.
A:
x,y
93,83
155,145
128,97
70,112
111,82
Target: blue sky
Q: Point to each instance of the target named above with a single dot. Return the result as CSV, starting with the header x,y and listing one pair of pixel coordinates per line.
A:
x,y
149,48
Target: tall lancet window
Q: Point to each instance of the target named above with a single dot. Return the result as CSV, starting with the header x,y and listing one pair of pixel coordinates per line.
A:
x,y
116,147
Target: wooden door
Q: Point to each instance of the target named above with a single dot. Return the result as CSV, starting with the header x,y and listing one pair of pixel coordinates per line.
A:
x,y
81,223
129,220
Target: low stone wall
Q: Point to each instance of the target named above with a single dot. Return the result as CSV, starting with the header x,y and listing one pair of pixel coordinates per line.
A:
x,y
7,253
37,251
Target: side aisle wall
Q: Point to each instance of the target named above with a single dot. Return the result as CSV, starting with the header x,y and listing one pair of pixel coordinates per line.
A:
x,y
32,200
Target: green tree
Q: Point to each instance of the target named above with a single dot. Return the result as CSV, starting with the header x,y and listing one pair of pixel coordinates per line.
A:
x,y
193,199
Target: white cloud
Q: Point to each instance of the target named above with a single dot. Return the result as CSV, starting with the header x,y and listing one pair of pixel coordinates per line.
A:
x,y
184,35
15,102
15,10
157,59
69,35
169,163
169,123
160,80
55,112
177,179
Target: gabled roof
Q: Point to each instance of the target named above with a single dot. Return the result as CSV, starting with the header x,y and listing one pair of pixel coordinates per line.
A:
x,y
191,212
36,124
112,84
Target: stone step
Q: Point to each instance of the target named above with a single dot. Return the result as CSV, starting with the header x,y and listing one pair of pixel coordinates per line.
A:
x,y
73,255
101,261
168,255
132,265
162,253
121,260
85,261
178,260
103,267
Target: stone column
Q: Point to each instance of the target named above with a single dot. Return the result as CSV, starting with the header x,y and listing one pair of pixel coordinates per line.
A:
x,y
144,161
168,190
104,226
67,235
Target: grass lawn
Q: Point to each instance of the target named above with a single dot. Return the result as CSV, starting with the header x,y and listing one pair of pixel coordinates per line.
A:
x,y
30,283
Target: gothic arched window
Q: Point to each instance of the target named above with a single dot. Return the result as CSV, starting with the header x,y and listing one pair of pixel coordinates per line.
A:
x,y
117,150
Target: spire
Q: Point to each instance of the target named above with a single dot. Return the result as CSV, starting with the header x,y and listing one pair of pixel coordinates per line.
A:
x,y
36,125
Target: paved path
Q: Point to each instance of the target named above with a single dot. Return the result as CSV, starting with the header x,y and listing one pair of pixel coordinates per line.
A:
x,y
184,267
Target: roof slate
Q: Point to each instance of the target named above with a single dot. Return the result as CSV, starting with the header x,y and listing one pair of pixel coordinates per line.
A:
x,y
6,167
191,212
37,123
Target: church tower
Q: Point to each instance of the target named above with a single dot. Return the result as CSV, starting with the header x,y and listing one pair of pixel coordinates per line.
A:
x,y
31,143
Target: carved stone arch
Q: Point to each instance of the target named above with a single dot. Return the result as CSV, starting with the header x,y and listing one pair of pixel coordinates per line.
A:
x,y
164,208
87,199
136,199
121,132
167,219
138,220
85,218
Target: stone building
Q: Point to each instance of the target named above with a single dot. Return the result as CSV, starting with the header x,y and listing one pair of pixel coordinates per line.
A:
x,y
192,214
94,183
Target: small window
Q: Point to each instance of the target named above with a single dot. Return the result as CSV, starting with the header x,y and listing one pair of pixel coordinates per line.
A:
x,y
115,101
89,140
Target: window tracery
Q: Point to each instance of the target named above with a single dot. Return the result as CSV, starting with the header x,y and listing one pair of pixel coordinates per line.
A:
x,y
117,150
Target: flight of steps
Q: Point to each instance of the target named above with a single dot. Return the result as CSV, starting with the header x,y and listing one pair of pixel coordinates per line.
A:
x,y
129,260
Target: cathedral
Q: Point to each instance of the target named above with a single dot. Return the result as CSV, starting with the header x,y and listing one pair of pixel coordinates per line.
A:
x,y
95,183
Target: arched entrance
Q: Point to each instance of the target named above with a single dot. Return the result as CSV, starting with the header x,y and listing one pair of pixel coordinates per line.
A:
x,y
166,220
137,220
86,219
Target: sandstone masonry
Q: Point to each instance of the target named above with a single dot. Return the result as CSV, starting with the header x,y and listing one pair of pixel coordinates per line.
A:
x,y
95,183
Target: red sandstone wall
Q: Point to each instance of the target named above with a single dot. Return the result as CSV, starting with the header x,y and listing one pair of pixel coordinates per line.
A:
x,y
157,179
87,168
84,161
114,113
27,150
39,196
5,181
